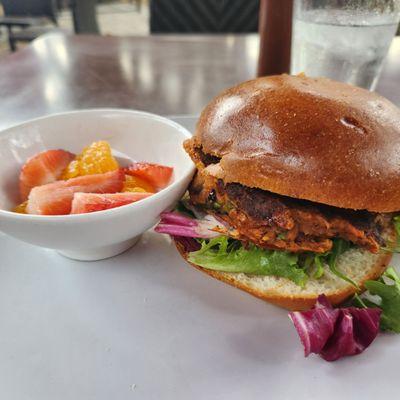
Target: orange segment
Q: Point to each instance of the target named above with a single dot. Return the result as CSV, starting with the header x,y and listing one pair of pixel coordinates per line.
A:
x,y
136,184
94,159
21,208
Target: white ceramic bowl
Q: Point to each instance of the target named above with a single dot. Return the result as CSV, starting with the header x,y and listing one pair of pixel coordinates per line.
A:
x,y
139,135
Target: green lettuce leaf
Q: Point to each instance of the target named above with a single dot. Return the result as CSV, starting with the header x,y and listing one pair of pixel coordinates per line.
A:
x,y
228,255
319,267
387,287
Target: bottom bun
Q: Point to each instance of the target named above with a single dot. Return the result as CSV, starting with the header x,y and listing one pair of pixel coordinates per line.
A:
x,y
359,265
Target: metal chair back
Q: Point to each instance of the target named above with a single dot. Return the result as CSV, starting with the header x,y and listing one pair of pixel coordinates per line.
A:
x,y
203,16
31,8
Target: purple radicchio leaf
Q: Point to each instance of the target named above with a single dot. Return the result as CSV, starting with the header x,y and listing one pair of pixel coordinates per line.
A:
x,y
355,330
176,224
315,326
188,244
335,333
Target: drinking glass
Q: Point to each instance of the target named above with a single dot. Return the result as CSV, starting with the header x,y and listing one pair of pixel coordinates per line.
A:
x,y
345,40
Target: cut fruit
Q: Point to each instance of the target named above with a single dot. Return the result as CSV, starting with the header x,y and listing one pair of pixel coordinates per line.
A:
x,y
56,198
91,202
136,184
94,159
157,175
43,168
21,208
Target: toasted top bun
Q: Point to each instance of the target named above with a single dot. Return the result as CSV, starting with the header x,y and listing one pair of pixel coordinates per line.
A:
x,y
313,139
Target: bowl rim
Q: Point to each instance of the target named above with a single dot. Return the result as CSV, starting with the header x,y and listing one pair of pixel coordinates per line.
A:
x,y
104,213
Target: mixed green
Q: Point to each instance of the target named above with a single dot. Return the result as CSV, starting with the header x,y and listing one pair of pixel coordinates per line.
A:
x,y
222,253
330,332
230,255
383,293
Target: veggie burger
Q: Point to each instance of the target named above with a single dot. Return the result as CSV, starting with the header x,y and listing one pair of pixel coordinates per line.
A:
x,y
296,189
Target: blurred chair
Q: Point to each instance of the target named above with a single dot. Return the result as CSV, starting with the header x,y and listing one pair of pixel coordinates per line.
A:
x,y
203,16
32,16
84,16
31,8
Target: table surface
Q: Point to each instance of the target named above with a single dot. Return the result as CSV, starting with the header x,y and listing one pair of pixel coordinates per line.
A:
x,y
165,74
67,332
161,74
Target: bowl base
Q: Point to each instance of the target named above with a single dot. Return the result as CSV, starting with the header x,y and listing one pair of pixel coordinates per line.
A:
x,y
100,253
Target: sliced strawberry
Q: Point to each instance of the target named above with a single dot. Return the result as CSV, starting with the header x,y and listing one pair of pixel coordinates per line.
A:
x,y
90,202
45,167
56,198
157,175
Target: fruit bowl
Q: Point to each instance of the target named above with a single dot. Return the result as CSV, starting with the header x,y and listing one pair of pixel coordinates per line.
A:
x,y
136,135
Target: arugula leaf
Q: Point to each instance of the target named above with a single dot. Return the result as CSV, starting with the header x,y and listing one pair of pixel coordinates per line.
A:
x,y
314,263
358,302
396,223
339,247
387,287
394,247
228,255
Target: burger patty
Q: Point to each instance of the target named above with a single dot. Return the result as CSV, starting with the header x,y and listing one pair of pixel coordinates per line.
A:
x,y
280,222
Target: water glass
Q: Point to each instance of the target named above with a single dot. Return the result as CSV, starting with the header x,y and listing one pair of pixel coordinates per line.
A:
x,y
343,40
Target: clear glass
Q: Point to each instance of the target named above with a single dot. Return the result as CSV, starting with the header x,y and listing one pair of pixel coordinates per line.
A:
x,y
343,40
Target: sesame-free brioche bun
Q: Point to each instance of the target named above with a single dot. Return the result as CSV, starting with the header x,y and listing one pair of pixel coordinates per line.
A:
x,y
307,138
358,264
